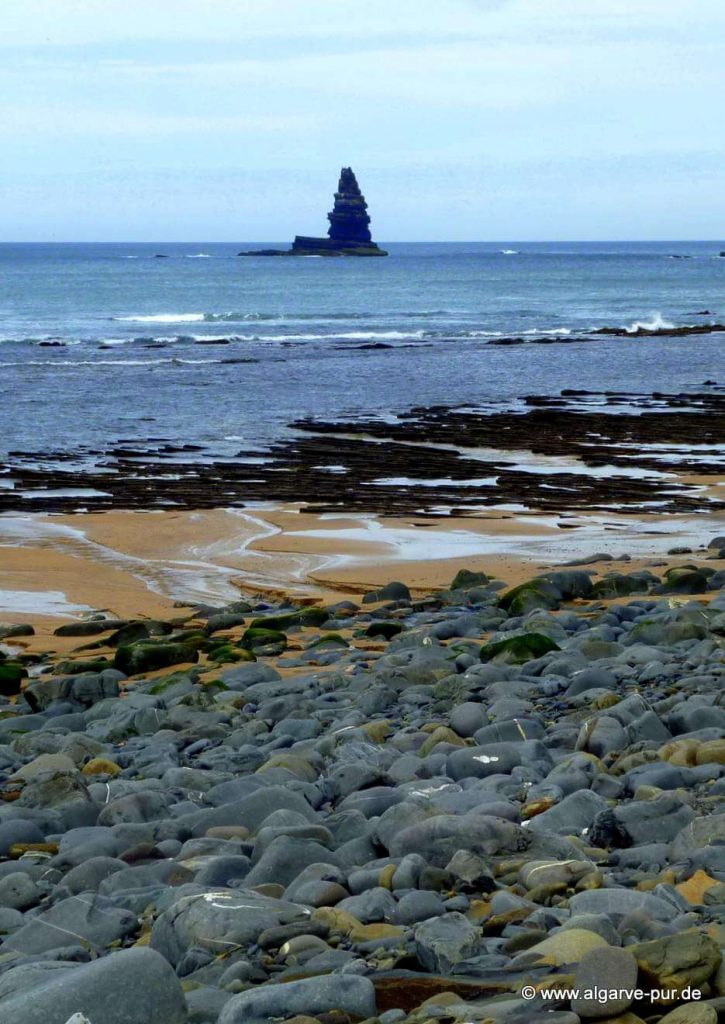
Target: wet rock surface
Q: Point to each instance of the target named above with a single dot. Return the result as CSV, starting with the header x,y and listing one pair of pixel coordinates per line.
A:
x,y
411,824
615,452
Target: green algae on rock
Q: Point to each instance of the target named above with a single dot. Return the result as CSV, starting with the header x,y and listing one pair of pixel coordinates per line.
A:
x,y
516,650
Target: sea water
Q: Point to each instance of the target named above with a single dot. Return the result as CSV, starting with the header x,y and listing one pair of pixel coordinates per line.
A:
x,y
190,343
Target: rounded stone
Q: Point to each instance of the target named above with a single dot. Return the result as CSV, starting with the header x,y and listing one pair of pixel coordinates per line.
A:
x,y
18,891
691,1013
567,947
133,986
612,974
348,993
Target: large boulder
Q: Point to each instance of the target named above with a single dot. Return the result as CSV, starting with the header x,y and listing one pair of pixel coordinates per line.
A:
x,y
394,591
89,627
133,986
443,942
481,761
686,579
13,629
218,919
527,597
517,650
94,921
613,974
348,993
439,838
687,959
148,656
11,678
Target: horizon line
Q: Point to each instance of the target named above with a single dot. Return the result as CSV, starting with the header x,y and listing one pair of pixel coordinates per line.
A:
x,y
399,241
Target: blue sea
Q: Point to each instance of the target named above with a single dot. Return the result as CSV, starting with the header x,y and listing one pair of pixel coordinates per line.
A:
x,y
101,343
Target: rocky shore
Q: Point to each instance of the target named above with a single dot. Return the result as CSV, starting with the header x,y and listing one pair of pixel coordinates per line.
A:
x,y
481,804
578,451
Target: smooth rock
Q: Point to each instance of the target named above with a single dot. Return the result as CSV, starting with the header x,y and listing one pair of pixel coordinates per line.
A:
x,y
443,942
133,986
611,970
347,993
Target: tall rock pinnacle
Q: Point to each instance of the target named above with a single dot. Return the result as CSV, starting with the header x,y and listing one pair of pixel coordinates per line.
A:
x,y
349,218
349,231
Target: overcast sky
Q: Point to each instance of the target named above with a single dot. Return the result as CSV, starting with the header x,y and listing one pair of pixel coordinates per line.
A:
x,y
464,119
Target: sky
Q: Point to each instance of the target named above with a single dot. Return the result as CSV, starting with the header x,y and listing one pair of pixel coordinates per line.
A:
x,y
228,120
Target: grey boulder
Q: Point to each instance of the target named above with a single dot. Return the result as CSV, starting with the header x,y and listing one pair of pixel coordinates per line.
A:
x,y
92,920
349,993
217,920
443,942
134,986
607,970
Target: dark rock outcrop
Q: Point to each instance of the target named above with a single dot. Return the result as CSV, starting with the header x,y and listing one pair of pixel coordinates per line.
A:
x,y
349,231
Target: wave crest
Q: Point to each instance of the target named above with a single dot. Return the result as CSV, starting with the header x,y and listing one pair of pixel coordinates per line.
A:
x,y
657,323
163,318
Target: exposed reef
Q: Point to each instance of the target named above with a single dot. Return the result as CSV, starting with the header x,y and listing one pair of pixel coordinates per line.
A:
x,y
349,231
577,452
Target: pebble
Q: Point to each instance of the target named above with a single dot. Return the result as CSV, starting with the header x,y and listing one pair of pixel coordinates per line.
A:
x,y
332,837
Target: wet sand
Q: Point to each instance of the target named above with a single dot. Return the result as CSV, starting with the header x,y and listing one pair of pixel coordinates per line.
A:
x,y
338,509
131,564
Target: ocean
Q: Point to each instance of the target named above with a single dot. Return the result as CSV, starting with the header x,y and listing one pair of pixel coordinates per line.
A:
x,y
108,343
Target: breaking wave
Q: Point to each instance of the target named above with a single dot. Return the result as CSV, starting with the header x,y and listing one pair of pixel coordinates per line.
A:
x,y
564,331
657,323
233,316
163,318
271,330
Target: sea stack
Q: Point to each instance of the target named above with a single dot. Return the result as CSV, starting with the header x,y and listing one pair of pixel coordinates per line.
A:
x,y
349,231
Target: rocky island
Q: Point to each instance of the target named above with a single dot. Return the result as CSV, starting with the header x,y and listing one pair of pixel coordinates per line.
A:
x,y
349,231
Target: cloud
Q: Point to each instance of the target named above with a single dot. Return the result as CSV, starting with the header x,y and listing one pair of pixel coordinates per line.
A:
x,y
503,107
66,122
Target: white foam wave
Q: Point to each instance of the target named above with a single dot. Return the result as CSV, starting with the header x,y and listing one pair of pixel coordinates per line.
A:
x,y
333,336
211,337
510,252
65,492
163,318
197,256
366,335
549,330
235,316
657,323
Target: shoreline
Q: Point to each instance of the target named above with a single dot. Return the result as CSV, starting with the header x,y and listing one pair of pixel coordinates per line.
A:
x,y
338,508
57,568
580,451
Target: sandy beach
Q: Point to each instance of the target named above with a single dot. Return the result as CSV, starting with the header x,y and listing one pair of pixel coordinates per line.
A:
x,y
131,564
336,508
